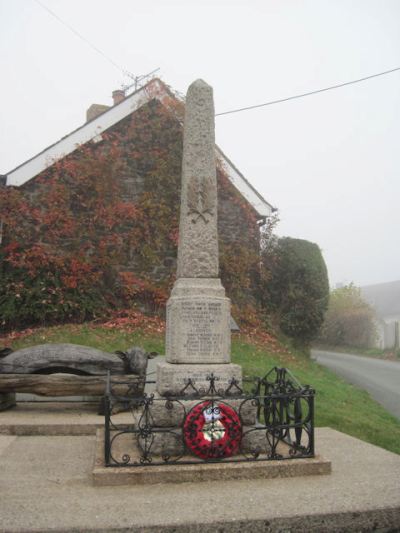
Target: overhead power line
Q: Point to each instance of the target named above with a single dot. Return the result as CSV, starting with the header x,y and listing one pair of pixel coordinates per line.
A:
x,y
93,46
337,86
247,108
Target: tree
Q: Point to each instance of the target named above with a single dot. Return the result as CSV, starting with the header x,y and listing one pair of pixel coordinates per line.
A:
x,y
295,289
350,320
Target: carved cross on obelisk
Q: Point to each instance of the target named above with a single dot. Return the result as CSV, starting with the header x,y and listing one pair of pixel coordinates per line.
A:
x,y
198,313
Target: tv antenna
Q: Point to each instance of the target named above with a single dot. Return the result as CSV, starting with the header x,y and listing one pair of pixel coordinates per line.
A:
x,y
138,81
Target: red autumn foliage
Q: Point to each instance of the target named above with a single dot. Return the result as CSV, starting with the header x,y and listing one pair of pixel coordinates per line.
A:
x,y
78,246
65,239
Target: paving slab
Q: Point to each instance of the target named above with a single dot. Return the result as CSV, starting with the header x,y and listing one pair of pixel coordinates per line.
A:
x,y
5,442
46,485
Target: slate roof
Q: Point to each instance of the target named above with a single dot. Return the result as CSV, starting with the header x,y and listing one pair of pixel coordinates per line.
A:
x,y
93,129
384,297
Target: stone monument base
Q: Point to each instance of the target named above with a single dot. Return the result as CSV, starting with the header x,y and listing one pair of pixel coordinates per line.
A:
x,y
170,443
172,414
167,420
172,378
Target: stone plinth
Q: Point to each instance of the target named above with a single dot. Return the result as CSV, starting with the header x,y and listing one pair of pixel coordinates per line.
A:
x,y
198,322
172,378
170,443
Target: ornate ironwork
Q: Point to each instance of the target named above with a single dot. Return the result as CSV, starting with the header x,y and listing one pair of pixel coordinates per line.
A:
x,y
269,418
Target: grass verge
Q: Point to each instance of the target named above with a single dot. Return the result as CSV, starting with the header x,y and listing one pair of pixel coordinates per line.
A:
x,y
339,405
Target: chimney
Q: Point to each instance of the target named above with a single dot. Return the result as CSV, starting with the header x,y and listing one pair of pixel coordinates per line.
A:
x,y
95,110
118,96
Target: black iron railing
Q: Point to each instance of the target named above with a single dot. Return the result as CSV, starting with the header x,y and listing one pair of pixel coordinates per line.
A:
x,y
269,418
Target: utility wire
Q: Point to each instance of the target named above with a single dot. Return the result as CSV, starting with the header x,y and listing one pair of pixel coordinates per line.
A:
x,y
272,102
94,47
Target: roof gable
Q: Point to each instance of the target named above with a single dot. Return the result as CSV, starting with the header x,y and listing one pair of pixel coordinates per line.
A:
x,y
92,130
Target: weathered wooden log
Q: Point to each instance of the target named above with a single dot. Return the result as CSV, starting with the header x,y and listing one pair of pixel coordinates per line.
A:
x,y
7,401
73,358
68,385
82,359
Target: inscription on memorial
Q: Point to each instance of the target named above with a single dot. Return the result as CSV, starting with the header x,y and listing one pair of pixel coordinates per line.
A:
x,y
198,319
198,332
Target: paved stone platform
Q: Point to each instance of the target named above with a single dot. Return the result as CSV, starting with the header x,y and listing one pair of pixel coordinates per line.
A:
x,y
55,418
46,485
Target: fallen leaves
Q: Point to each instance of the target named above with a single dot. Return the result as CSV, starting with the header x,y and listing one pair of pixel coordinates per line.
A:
x,y
132,319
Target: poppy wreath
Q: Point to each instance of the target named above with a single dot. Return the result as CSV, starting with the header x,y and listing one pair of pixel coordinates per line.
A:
x,y
212,430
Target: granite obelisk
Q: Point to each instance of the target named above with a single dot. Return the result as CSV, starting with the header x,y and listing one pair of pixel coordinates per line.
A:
x,y
198,312
198,232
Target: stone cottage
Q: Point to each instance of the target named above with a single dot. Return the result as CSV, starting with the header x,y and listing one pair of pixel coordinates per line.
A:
x,y
149,166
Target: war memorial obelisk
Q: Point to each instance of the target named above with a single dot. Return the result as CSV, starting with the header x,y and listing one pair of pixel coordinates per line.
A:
x,y
199,410
198,338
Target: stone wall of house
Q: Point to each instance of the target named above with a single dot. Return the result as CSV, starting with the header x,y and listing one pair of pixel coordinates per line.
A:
x,y
233,223
156,172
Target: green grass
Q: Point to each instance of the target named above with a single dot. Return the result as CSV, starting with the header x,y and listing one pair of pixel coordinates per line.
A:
x,y
338,404
108,340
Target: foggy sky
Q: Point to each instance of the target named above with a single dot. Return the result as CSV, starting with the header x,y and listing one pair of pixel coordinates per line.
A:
x,y
329,162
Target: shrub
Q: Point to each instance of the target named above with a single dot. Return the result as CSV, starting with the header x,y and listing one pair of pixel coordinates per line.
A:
x,y
296,289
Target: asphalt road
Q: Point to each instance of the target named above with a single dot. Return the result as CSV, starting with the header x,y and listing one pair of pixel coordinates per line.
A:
x,y
380,378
